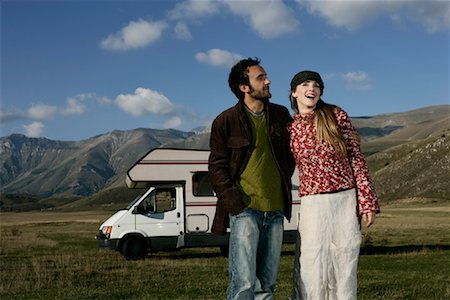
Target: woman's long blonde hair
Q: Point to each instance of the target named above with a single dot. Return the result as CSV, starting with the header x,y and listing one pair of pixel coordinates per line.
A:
x,y
327,128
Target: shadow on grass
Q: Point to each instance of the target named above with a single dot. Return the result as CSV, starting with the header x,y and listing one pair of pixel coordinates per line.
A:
x,y
365,250
380,250
183,254
373,250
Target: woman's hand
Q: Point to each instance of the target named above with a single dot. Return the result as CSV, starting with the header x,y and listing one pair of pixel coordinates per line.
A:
x,y
369,218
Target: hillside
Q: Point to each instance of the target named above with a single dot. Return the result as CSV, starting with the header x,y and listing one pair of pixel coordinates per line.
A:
x,y
408,155
53,168
403,119
420,168
413,132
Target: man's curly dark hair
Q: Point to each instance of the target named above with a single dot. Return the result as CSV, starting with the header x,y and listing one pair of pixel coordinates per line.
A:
x,y
239,75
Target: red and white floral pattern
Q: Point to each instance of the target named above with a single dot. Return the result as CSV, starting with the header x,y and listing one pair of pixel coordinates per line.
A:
x,y
322,170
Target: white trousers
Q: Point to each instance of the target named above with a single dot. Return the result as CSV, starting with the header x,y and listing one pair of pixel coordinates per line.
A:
x,y
330,239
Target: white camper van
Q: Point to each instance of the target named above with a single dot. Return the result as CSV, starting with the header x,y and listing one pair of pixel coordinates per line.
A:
x,y
175,211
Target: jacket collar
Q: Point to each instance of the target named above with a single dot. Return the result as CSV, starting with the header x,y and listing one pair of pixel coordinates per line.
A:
x,y
240,106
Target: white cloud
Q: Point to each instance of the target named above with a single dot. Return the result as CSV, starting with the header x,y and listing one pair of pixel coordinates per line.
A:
x,y
356,76
103,100
136,34
434,15
357,80
348,14
145,101
173,122
92,96
182,31
10,116
34,129
194,9
74,107
270,19
218,58
42,112
396,19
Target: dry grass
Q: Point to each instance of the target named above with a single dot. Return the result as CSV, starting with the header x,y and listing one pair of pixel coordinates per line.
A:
x,y
411,224
51,255
50,216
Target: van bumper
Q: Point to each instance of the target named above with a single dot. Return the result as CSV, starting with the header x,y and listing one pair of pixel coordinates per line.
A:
x,y
104,242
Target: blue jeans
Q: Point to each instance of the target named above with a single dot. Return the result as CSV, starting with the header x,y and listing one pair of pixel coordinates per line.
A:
x,y
254,255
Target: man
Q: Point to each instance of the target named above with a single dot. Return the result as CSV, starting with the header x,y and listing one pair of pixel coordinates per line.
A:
x,y
250,169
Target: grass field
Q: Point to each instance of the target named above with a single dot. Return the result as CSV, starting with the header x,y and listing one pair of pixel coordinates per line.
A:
x,y
53,255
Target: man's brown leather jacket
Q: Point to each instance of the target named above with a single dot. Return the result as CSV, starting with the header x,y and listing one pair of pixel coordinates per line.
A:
x,y
231,147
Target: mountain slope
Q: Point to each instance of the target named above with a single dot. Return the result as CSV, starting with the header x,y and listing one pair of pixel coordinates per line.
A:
x,y
414,169
53,168
406,134
397,126
402,119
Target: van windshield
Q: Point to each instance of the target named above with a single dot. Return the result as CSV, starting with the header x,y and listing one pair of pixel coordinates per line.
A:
x,y
134,201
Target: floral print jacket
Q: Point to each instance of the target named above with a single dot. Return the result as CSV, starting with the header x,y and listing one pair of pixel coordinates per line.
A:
x,y
322,170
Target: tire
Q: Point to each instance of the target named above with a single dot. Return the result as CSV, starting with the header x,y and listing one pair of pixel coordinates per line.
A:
x,y
134,248
224,250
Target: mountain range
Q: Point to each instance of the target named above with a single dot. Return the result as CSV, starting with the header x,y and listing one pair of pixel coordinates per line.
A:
x,y
408,154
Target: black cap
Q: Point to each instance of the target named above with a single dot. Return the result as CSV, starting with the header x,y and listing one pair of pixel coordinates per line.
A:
x,y
307,75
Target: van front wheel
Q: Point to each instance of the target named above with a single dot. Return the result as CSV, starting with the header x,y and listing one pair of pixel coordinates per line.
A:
x,y
134,248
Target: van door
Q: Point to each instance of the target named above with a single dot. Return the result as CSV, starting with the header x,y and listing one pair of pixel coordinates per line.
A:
x,y
160,217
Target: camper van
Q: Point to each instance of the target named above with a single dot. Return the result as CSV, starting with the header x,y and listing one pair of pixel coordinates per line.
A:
x,y
175,211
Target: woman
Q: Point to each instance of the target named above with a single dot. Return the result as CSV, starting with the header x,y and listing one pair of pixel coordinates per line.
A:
x,y
335,192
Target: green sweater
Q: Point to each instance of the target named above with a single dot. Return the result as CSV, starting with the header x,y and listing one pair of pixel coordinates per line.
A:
x,y
260,182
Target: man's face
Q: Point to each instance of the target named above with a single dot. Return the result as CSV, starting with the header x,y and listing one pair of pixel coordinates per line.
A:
x,y
259,83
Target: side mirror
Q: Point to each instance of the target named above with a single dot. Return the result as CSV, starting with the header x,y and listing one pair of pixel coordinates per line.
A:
x,y
137,210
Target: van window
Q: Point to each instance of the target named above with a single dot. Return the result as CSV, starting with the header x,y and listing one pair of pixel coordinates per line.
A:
x,y
165,200
201,185
159,201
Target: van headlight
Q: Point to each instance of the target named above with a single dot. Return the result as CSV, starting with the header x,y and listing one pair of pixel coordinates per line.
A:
x,y
106,231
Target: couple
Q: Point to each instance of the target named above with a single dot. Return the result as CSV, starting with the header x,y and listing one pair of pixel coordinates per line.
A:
x,y
255,147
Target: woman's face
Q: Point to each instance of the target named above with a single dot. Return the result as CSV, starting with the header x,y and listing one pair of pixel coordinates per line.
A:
x,y
307,95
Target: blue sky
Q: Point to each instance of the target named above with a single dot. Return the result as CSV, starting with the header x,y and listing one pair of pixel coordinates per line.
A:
x,y
71,70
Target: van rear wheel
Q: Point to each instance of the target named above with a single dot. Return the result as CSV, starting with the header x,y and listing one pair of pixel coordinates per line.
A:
x,y
134,248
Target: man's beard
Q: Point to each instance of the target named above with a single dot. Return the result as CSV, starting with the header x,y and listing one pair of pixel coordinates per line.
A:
x,y
263,95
